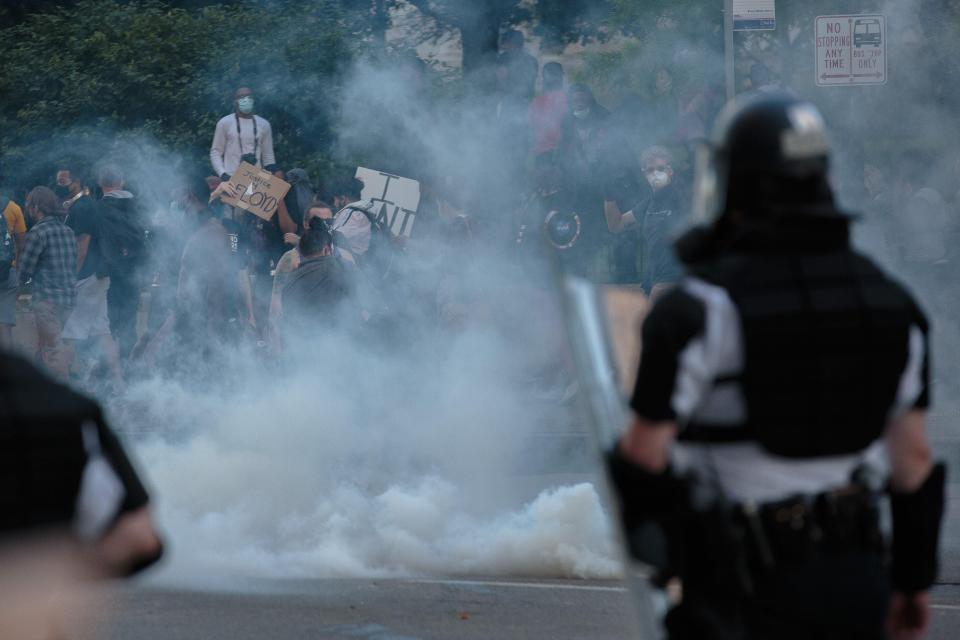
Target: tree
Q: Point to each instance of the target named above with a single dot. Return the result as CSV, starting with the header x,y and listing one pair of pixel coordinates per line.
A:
x,y
144,70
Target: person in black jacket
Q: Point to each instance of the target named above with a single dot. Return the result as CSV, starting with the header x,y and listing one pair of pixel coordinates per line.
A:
x,y
651,223
66,474
122,254
782,386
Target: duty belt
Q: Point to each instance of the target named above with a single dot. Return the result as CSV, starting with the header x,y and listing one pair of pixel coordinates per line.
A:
x,y
789,531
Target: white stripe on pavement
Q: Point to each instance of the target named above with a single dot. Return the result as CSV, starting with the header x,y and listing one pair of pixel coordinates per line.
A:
x,y
571,587
521,585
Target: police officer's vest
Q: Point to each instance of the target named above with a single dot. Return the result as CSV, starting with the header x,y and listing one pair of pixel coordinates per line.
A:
x,y
826,339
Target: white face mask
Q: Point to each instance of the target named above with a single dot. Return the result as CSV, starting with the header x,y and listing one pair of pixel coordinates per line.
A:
x,y
658,179
245,104
580,114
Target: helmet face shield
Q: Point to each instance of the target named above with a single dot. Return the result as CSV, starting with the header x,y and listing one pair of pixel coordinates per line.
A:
x,y
709,184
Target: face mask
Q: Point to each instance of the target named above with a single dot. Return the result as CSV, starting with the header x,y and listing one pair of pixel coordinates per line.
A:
x,y
62,191
580,114
245,104
658,179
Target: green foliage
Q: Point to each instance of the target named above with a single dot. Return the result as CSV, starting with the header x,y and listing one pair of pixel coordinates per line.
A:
x,y
80,81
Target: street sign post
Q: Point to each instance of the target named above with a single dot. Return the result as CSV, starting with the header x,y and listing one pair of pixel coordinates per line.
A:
x,y
851,50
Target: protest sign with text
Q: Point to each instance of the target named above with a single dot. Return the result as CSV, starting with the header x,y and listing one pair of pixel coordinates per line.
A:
x,y
395,199
256,190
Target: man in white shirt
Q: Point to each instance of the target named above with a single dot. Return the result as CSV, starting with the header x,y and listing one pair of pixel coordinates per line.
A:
x,y
242,137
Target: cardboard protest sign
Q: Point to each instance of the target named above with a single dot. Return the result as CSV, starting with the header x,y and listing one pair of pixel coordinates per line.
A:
x,y
395,198
256,190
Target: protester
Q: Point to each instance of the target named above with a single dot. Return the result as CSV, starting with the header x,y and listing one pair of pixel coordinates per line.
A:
x,y
547,112
662,109
89,319
586,156
290,261
49,263
517,69
12,240
922,218
351,226
122,255
210,308
316,288
69,187
659,215
242,136
298,198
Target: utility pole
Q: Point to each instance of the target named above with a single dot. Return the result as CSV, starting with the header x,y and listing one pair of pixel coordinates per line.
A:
x,y
728,48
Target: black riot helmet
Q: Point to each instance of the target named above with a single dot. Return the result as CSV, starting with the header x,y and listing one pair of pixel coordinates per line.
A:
x,y
769,155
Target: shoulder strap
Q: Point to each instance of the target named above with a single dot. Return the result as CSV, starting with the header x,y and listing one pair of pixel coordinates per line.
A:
x,y
240,135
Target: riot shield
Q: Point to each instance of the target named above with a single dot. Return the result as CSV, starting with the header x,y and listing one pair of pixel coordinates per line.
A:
x,y
603,325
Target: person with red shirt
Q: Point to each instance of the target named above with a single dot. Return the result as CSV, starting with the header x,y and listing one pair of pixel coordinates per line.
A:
x,y
548,110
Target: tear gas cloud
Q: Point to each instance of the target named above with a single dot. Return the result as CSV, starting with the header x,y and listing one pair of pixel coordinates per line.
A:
x,y
408,449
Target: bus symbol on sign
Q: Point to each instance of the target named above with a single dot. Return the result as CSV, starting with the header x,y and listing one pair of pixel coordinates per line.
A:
x,y
867,32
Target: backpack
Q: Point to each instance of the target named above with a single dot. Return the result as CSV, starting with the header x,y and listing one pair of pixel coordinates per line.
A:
x,y
8,249
382,249
123,239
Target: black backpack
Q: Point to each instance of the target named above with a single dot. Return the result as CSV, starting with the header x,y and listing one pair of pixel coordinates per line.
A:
x,y
123,238
8,249
383,249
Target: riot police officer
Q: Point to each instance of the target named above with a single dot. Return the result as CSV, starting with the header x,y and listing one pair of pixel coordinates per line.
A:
x,y
782,386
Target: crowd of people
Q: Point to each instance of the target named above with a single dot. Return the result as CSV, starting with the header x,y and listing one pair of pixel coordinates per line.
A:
x,y
116,286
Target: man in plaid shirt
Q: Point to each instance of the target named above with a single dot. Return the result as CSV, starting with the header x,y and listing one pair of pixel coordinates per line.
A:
x,y
50,259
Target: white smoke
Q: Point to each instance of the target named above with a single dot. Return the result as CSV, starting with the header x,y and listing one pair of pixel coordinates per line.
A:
x,y
359,458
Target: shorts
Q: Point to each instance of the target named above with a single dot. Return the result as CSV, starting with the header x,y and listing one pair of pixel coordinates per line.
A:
x,y
8,299
89,317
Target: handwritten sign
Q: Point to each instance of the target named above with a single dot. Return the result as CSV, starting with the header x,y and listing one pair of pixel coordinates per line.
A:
x,y
256,190
395,199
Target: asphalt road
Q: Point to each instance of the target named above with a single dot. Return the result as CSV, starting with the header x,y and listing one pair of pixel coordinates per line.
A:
x,y
399,610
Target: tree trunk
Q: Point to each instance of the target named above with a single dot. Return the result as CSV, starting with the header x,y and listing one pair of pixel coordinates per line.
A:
x,y
481,41
381,21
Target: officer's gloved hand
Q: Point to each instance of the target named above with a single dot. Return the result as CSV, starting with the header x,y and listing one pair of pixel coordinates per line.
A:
x,y
645,500
644,494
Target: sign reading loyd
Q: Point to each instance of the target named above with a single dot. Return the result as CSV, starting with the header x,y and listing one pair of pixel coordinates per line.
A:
x,y
851,50
256,190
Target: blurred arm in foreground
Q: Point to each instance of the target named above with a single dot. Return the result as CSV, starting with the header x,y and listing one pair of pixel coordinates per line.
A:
x,y
74,509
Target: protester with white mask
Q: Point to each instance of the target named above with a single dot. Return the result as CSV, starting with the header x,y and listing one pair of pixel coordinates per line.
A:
x,y
242,136
659,215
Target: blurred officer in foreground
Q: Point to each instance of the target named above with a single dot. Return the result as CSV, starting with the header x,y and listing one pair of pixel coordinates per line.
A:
x,y
65,476
783,385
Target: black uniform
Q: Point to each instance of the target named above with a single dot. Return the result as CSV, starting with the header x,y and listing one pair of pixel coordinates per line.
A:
x,y
781,356
61,468
785,347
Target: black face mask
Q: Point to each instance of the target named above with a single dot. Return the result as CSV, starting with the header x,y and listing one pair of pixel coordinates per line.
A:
x,y
62,191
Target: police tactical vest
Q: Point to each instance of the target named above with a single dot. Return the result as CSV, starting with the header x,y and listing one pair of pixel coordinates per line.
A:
x,y
826,339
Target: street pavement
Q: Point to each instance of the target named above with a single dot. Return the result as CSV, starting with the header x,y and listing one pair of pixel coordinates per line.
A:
x,y
467,609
